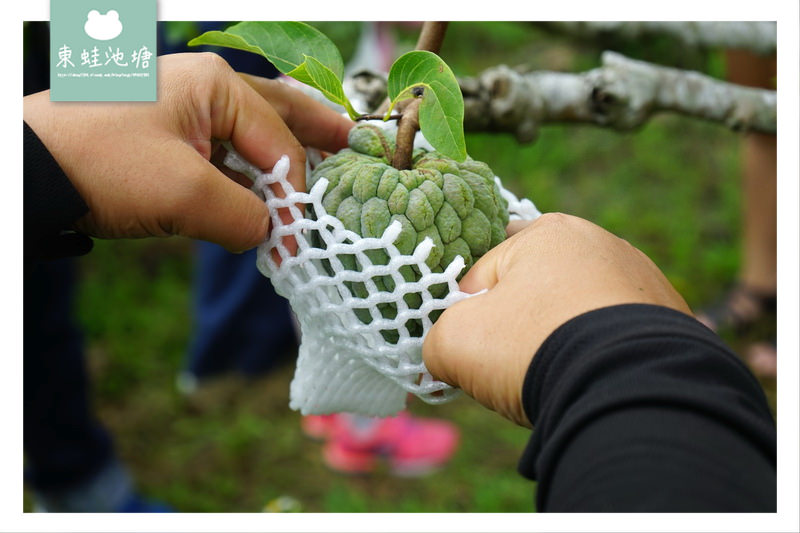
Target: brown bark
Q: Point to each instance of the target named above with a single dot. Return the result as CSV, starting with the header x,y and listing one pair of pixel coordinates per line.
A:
x,y
431,36
406,131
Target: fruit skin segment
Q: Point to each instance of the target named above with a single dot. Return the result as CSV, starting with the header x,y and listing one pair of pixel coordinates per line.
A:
x,y
457,205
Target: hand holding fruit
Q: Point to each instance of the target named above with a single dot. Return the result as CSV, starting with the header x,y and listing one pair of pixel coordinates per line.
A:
x,y
551,271
144,168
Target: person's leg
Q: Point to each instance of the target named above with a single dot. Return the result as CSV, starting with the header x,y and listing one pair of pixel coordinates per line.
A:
x,y
241,324
759,236
753,297
759,174
69,457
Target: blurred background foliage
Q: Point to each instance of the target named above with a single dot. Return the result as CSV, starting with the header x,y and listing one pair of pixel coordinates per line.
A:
x,y
671,188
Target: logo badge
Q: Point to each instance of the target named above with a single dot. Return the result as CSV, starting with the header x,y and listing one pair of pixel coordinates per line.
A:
x,y
103,50
103,27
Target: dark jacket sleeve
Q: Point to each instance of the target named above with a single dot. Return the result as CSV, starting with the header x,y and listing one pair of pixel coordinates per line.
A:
x,y
642,408
51,205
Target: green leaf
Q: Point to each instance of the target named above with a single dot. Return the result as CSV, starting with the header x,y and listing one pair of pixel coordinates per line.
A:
x,y
296,49
229,40
441,112
322,78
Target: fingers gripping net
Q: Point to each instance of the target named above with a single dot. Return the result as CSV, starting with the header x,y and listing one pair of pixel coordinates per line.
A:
x,y
345,365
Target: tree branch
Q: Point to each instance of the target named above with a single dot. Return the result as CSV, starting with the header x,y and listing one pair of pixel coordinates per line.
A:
x,y
758,37
623,93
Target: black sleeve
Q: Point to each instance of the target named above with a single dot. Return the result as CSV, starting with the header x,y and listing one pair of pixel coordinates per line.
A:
x,y
639,408
51,205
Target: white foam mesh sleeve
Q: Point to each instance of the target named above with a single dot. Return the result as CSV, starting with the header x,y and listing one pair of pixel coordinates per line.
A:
x,y
343,364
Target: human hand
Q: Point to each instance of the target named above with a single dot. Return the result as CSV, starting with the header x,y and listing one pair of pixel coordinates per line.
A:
x,y
553,270
144,168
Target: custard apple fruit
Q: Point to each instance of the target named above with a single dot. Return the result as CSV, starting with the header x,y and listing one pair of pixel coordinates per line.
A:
x,y
457,204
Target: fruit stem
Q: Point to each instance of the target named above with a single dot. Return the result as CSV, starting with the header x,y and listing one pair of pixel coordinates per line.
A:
x,y
430,38
407,129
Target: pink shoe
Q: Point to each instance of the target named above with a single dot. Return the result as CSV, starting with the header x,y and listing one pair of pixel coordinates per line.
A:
x,y
318,427
412,446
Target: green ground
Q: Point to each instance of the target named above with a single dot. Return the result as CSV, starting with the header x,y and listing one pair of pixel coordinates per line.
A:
x,y
672,189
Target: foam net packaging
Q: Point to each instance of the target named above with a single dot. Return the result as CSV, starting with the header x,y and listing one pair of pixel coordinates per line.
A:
x,y
345,365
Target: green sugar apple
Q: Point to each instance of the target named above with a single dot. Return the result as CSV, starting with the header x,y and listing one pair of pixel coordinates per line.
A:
x,y
457,205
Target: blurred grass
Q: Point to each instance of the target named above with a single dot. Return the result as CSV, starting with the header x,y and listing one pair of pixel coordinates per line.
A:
x,y
671,188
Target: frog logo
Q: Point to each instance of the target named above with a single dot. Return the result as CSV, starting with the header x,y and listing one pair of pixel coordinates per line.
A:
x,y
102,27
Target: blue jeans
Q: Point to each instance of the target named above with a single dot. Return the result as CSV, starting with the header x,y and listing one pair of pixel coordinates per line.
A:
x,y
241,324
64,443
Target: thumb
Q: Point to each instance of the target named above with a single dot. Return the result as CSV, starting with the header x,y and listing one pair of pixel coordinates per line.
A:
x,y
484,273
214,208
497,262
